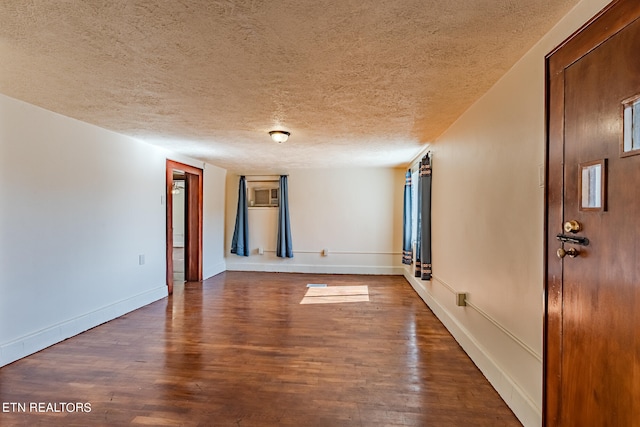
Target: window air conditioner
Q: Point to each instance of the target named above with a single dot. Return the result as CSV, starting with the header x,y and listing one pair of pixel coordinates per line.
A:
x,y
265,197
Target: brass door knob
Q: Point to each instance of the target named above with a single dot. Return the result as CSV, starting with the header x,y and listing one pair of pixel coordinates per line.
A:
x,y
572,252
572,226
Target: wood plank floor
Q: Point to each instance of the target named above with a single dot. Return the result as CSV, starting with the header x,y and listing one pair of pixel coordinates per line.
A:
x,y
239,350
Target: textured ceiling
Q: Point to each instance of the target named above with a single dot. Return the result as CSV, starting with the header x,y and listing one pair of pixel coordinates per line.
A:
x,y
356,83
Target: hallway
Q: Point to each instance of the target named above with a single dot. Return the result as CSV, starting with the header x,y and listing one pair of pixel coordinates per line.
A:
x,y
240,350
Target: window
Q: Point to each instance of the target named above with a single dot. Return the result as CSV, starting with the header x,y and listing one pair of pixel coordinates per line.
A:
x,y
263,194
415,175
631,120
593,185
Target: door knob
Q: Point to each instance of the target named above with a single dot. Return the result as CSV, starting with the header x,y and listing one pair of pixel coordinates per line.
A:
x,y
572,252
572,226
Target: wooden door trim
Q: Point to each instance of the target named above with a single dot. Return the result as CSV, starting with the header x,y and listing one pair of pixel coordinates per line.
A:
x,y
605,24
193,219
193,227
608,22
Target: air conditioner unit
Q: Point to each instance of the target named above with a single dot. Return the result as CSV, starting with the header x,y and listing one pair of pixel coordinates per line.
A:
x,y
265,197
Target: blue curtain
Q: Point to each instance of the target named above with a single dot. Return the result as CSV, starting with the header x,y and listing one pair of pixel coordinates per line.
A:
x,y
418,272
423,244
284,248
407,254
240,242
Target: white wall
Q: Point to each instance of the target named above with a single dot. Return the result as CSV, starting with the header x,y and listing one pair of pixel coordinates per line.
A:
x,y
354,213
488,210
79,206
178,218
213,227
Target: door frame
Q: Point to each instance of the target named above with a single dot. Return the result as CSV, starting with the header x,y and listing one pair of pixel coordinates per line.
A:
x,y
193,222
608,22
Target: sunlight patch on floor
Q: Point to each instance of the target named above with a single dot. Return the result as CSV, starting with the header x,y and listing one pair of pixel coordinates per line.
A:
x,y
336,294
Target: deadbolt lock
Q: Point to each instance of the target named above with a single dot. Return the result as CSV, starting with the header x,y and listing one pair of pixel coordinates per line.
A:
x,y
572,252
572,226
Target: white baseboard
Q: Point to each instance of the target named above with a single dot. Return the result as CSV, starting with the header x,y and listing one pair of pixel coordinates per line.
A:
x,y
315,269
523,406
32,343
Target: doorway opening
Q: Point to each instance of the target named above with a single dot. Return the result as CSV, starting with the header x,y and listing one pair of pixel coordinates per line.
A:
x,y
178,189
184,194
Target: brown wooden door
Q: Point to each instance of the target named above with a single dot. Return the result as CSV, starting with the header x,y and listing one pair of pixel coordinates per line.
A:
x,y
193,227
592,327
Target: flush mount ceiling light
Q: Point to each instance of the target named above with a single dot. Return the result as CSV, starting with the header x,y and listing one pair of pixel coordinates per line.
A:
x,y
175,188
279,136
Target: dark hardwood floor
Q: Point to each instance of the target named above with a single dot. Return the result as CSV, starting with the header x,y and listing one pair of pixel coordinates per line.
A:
x,y
178,265
239,350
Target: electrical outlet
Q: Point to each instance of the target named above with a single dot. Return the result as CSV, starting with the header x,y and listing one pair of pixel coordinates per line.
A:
x,y
461,299
141,259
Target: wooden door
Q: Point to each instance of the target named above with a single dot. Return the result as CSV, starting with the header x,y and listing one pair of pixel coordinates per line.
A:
x,y
592,319
193,227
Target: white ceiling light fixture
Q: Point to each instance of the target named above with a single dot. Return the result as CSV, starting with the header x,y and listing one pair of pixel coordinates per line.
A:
x,y
279,136
175,188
